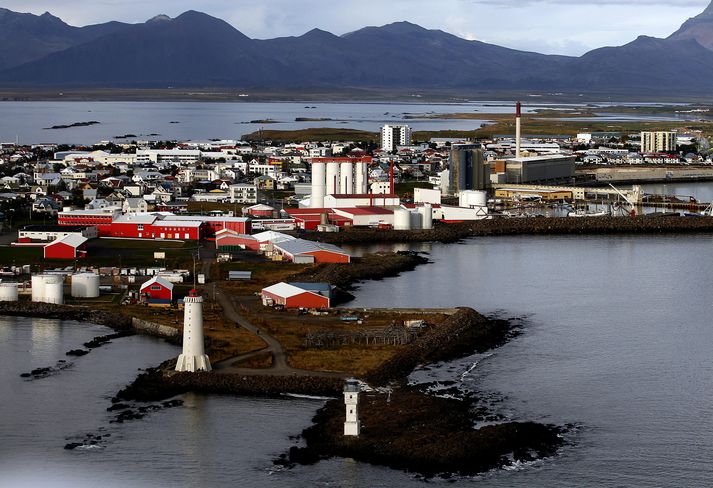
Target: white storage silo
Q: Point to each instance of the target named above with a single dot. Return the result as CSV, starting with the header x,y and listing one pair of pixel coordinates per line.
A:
x,y
332,178
416,220
85,285
426,216
8,292
346,186
54,289
38,288
402,219
319,183
360,178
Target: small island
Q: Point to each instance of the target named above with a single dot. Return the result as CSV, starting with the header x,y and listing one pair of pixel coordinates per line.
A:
x,y
76,124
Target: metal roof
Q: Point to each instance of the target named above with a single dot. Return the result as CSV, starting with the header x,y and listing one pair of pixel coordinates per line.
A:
x,y
135,219
286,290
302,246
272,236
74,240
159,281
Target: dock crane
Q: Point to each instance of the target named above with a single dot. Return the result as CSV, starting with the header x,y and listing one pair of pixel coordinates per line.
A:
x,y
631,205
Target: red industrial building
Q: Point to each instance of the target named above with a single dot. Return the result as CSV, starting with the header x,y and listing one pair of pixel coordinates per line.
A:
x,y
310,218
305,251
153,226
260,210
211,225
72,246
229,240
150,226
101,219
158,290
291,296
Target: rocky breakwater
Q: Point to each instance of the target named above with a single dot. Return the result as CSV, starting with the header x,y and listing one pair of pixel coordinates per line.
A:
x,y
162,382
116,321
407,428
448,233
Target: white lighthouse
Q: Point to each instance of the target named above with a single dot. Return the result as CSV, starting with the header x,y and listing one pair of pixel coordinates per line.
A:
x,y
352,426
193,357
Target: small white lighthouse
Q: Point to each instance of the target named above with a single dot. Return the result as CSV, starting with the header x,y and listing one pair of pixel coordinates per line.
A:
x,y
193,357
352,426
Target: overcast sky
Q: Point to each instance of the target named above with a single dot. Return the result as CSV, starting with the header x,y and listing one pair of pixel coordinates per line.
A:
x,y
550,26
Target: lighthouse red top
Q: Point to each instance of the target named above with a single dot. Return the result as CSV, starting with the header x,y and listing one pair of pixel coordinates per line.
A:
x,y
193,293
518,109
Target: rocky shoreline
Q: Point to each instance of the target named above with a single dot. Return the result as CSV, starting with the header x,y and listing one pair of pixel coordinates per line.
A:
x,y
369,267
116,321
406,428
448,233
423,434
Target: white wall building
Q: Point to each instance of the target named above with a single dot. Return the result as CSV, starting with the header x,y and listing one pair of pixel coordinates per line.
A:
x,y
174,156
243,193
659,141
395,135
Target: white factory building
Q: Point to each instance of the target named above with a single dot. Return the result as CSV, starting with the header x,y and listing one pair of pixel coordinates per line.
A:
x,y
338,176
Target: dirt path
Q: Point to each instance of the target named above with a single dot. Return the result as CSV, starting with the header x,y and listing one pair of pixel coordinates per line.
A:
x,y
279,367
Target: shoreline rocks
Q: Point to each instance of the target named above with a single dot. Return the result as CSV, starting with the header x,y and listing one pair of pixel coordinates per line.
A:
x,y
448,233
423,434
116,321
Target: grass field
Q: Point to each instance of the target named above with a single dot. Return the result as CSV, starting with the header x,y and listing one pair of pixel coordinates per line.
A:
x,y
108,252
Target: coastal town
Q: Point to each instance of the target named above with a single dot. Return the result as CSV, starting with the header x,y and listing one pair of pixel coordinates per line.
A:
x,y
355,245
239,251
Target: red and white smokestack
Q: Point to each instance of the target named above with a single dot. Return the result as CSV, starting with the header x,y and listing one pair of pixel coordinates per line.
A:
x,y
518,128
391,178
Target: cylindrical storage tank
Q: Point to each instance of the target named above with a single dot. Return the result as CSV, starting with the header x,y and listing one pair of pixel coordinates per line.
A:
x,y
346,186
426,217
8,292
332,178
402,219
473,198
319,185
38,288
416,220
365,184
85,285
54,289
359,178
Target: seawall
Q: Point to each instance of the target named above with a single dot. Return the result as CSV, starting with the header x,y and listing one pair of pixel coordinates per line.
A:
x,y
154,329
113,320
524,226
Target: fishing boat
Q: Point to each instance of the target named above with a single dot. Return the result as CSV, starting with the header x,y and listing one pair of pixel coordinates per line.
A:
x,y
588,213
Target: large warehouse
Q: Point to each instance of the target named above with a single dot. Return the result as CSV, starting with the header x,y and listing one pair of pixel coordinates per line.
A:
x,y
72,246
301,250
292,296
538,169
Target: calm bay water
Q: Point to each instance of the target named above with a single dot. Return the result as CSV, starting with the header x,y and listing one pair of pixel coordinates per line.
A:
x,y
27,121
206,120
617,341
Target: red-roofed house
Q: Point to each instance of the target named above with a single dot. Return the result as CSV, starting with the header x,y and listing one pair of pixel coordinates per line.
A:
x,y
158,290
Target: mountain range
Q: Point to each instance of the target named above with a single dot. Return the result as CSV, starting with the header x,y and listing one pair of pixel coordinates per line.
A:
x,y
197,50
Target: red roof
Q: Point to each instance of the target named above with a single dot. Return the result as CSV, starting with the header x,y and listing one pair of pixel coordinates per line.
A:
x,y
373,196
365,159
366,211
307,211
